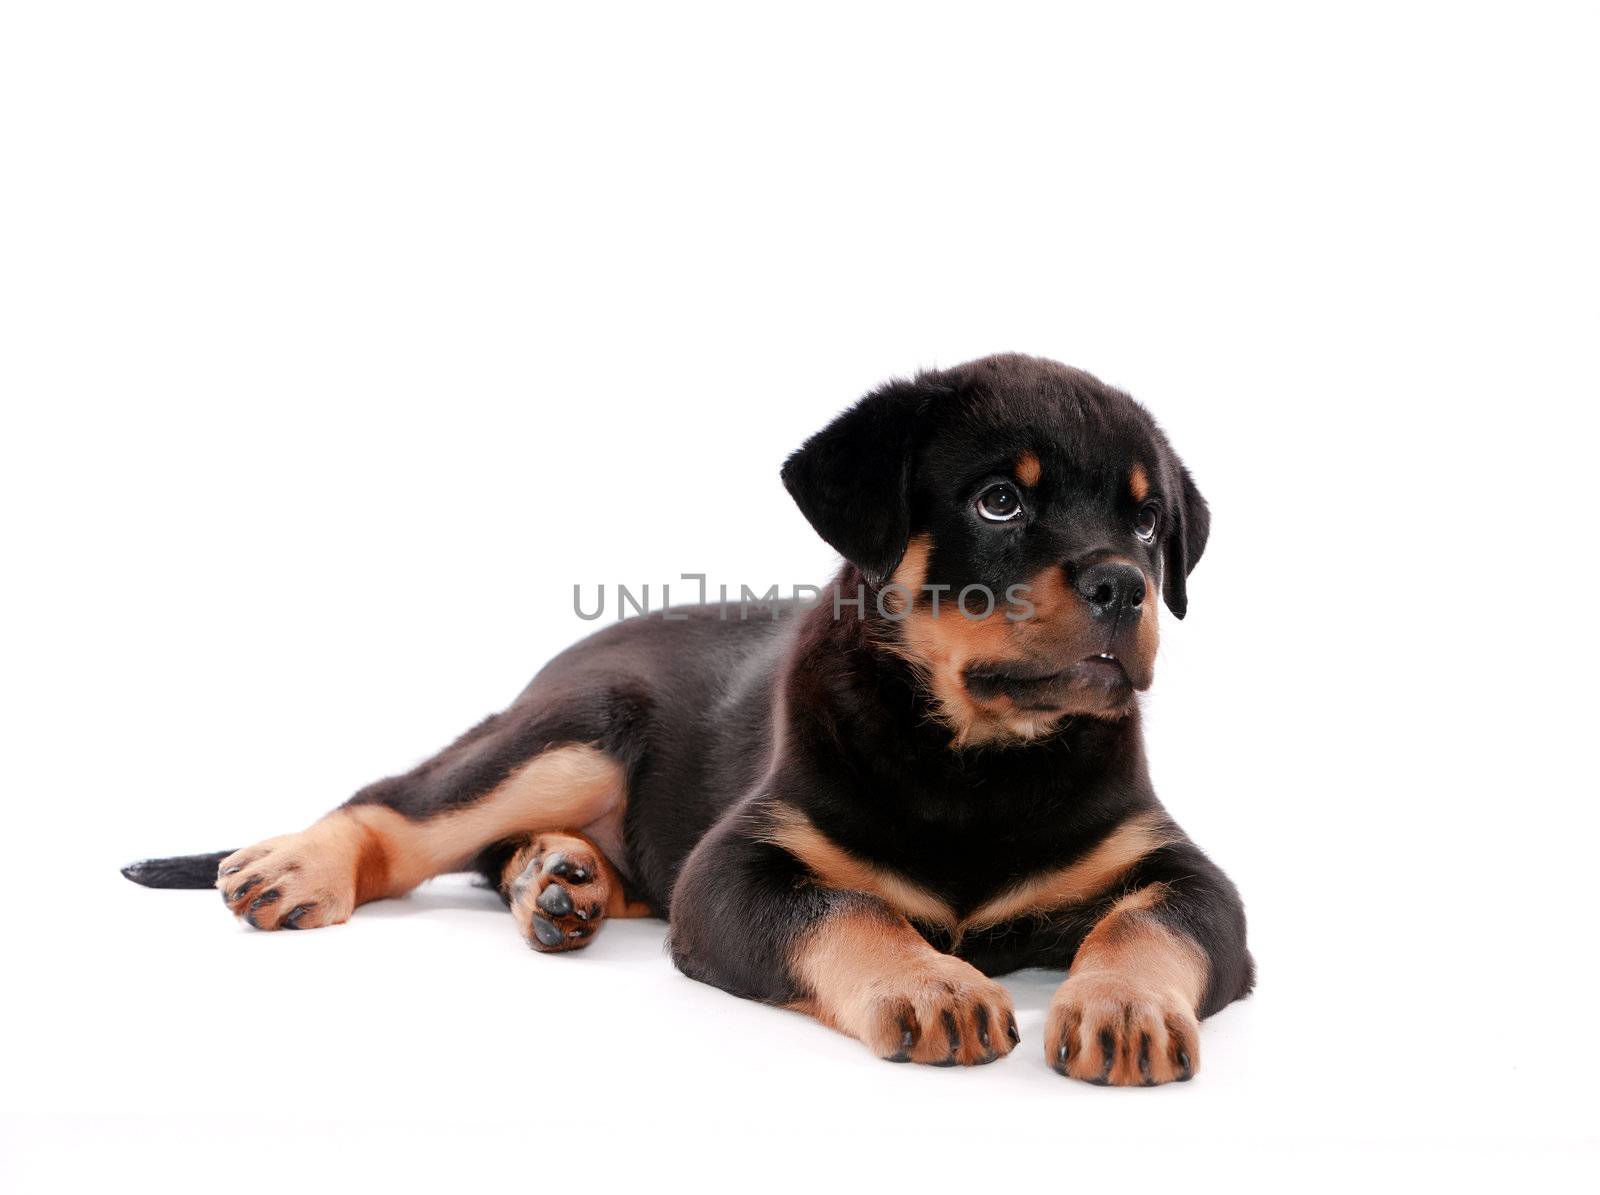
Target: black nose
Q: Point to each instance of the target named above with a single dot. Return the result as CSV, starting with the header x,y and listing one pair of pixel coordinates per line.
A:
x,y
1111,587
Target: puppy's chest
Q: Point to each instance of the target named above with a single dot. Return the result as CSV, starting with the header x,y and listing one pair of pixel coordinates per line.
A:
x,y
965,872
999,869
945,879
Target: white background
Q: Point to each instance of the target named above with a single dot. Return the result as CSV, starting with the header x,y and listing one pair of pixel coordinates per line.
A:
x,y
340,340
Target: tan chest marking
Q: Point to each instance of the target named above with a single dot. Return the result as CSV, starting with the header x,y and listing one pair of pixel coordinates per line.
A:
x,y
1089,877
836,867
1081,881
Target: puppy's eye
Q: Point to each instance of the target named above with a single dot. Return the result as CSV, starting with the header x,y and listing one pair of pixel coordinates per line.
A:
x,y
1145,526
1000,503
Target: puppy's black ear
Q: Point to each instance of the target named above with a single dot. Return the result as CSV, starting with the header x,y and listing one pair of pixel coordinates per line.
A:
x,y
852,480
1188,527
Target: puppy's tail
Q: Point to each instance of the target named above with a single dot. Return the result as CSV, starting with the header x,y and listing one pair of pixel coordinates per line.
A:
x,y
180,871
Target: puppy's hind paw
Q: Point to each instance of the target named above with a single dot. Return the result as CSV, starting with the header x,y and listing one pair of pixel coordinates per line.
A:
x,y
561,890
298,881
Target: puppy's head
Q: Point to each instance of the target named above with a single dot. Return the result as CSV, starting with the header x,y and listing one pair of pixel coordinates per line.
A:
x,y
1016,519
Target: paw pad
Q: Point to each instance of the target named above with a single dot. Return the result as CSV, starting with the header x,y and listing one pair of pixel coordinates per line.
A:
x,y
558,892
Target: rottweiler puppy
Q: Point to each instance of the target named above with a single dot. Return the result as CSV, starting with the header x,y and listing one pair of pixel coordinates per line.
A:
x,y
865,806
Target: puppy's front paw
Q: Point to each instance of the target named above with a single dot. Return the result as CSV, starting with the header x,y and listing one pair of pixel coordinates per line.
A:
x,y
297,881
944,1012
560,890
1107,1028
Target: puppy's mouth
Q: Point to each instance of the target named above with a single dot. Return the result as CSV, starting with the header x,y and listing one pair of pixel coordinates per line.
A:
x,y
1030,687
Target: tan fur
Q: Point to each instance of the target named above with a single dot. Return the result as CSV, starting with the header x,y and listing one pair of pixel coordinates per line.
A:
x,y
360,853
901,593
313,878
1149,635
874,977
941,648
1029,469
1135,985
1138,483
562,788
834,867
1087,878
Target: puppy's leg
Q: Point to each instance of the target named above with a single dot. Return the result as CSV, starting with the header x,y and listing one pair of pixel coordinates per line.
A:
x,y
560,889
498,782
865,971
748,918
1166,951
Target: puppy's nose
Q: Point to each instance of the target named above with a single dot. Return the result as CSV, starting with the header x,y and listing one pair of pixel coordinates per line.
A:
x,y
1111,587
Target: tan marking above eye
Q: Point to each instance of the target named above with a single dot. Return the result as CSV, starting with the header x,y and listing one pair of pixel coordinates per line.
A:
x,y
1138,483
1029,470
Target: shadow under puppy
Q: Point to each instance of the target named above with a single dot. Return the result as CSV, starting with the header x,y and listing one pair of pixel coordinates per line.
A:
x,y
865,807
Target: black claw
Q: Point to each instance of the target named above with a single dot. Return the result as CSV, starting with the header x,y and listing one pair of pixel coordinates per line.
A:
x,y
1011,1029
555,901
266,898
906,1019
242,890
954,1034
1108,1047
1185,1070
292,921
546,931
228,871
579,932
250,920
983,1027
1145,1076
